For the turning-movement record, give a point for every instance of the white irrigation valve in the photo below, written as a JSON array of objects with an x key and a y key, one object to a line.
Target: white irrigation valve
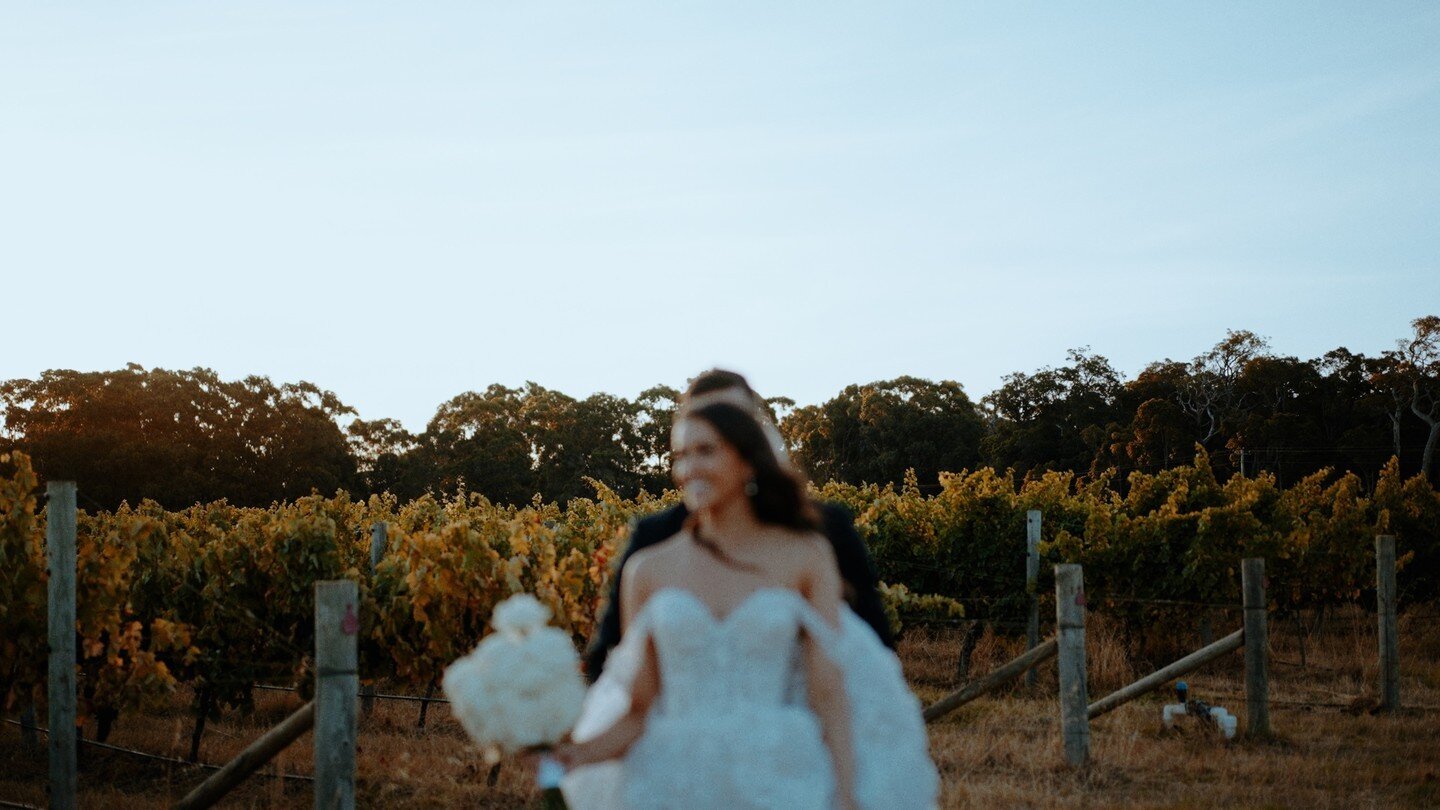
[
  {"x": 1170, "y": 712},
  {"x": 1218, "y": 716},
  {"x": 1225, "y": 721}
]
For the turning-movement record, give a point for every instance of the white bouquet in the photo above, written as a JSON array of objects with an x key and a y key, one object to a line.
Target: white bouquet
[{"x": 521, "y": 688}]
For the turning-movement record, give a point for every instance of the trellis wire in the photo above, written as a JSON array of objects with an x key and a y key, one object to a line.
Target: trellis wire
[
  {"x": 172, "y": 760},
  {"x": 1323, "y": 705},
  {"x": 379, "y": 695}
]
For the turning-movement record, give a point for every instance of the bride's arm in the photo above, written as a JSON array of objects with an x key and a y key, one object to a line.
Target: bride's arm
[
  {"x": 825, "y": 683},
  {"x": 614, "y": 741}
]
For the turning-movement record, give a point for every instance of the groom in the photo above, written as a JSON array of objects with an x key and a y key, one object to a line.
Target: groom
[{"x": 856, "y": 569}]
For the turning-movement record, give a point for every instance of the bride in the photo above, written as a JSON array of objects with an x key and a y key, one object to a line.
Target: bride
[{"x": 726, "y": 690}]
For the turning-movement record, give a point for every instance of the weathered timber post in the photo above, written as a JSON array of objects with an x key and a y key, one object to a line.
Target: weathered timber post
[
  {"x": 1389, "y": 631},
  {"x": 1032, "y": 576},
  {"x": 1257, "y": 648},
  {"x": 272, "y": 742},
  {"x": 1070, "y": 632},
  {"x": 1025, "y": 662},
  {"x": 379, "y": 534},
  {"x": 60, "y": 559},
  {"x": 337, "y": 624},
  {"x": 1168, "y": 673}
]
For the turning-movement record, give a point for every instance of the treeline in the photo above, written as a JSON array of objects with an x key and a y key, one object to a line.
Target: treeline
[{"x": 185, "y": 437}]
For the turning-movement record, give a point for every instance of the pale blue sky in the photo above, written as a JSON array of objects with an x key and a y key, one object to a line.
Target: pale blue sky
[{"x": 400, "y": 202}]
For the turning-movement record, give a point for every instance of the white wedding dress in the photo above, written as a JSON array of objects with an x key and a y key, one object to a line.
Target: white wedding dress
[{"x": 731, "y": 728}]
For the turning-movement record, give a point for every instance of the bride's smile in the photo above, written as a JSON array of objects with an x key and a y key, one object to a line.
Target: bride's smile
[{"x": 708, "y": 470}]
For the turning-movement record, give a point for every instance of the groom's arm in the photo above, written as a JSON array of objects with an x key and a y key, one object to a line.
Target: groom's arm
[
  {"x": 857, "y": 569},
  {"x": 644, "y": 532}
]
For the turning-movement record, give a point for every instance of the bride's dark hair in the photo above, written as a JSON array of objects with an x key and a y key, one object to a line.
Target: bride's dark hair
[{"x": 780, "y": 492}]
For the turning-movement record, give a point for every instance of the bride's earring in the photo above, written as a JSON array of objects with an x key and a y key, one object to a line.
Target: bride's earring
[{"x": 751, "y": 488}]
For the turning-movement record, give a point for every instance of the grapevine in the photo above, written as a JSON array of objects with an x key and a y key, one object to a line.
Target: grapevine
[{"x": 218, "y": 598}]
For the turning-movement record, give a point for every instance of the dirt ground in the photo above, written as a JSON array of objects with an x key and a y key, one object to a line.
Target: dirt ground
[{"x": 1329, "y": 748}]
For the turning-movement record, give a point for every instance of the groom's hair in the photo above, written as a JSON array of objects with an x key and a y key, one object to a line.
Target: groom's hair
[{"x": 718, "y": 379}]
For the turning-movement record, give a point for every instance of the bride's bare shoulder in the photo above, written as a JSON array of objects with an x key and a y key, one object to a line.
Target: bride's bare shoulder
[
  {"x": 800, "y": 555},
  {"x": 646, "y": 572},
  {"x": 650, "y": 564},
  {"x": 805, "y": 545},
  {"x": 655, "y": 556}
]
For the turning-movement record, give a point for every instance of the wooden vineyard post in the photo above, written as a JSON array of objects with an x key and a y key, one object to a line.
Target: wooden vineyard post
[
  {"x": 1164, "y": 675},
  {"x": 337, "y": 625},
  {"x": 1257, "y": 648},
  {"x": 60, "y": 559},
  {"x": 1389, "y": 633},
  {"x": 379, "y": 534},
  {"x": 1070, "y": 632},
  {"x": 1024, "y": 663},
  {"x": 272, "y": 742},
  {"x": 1032, "y": 577}
]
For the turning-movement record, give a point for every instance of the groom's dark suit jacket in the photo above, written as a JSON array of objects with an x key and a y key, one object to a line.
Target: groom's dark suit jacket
[{"x": 838, "y": 526}]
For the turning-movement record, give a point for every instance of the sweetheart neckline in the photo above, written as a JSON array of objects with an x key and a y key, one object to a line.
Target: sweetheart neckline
[{"x": 721, "y": 621}]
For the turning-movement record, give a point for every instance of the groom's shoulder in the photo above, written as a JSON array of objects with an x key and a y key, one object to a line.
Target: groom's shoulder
[
  {"x": 836, "y": 520},
  {"x": 651, "y": 529},
  {"x": 833, "y": 512}
]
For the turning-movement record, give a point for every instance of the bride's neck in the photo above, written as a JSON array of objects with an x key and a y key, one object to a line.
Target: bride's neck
[{"x": 728, "y": 520}]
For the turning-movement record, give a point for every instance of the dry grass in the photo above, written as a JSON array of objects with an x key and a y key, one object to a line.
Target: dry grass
[{"x": 1001, "y": 751}]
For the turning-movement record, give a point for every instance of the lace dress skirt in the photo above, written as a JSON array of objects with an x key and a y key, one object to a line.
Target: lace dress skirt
[{"x": 748, "y": 756}]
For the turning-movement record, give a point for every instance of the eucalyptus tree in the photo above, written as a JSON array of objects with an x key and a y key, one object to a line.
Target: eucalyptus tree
[
  {"x": 1054, "y": 418},
  {"x": 179, "y": 437},
  {"x": 874, "y": 433},
  {"x": 1417, "y": 361},
  {"x": 476, "y": 441},
  {"x": 1212, "y": 395}
]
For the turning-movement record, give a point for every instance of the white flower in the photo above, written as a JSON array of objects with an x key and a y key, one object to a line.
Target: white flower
[
  {"x": 520, "y": 614},
  {"x": 521, "y": 687}
]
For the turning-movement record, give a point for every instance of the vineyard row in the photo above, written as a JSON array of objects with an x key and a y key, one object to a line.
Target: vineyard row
[{"x": 220, "y": 597}]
